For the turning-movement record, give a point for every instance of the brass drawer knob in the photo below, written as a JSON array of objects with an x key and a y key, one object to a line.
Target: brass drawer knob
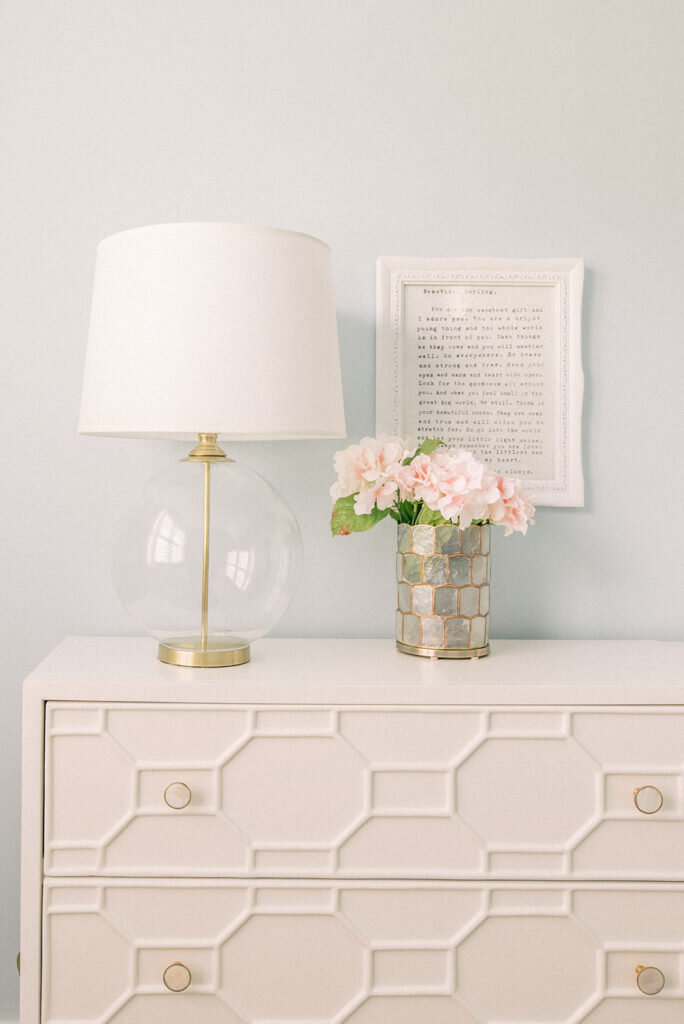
[
  {"x": 650, "y": 980},
  {"x": 177, "y": 977},
  {"x": 648, "y": 799},
  {"x": 177, "y": 795}
]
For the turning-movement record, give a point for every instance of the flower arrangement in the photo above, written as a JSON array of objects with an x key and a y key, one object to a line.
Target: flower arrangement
[{"x": 431, "y": 485}]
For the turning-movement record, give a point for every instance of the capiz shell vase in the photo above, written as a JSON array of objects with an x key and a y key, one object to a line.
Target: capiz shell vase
[{"x": 443, "y": 590}]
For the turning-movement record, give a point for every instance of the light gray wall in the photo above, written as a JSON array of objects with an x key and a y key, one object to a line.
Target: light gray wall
[{"x": 435, "y": 128}]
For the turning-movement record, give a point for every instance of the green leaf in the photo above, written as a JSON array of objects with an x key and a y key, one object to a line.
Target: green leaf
[
  {"x": 406, "y": 511},
  {"x": 426, "y": 448},
  {"x": 428, "y": 517},
  {"x": 345, "y": 520}
]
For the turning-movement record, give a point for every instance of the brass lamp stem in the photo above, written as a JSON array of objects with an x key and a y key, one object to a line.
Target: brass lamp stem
[
  {"x": 207, "y": 451},
  {"x": 205, "y": 556},
  {"x": 204, "y": 651}
]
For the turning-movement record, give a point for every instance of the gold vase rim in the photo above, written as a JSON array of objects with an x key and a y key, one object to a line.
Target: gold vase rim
[{"x": 440, "y": 526}]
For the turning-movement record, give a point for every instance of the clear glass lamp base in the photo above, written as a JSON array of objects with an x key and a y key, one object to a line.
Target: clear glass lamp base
[
  {"x": 209, "y": 559},
  {"x": 215, "y": 652}
]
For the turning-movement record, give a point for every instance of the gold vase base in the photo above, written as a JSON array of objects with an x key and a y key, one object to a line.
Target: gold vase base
[
  {"x": 216, "y": 652},
  {"x": 444, "y": 652}
]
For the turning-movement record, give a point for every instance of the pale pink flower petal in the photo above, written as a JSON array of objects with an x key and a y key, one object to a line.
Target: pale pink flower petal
[
  {"x": 450, "y": 481},
  {"x": 420, "y": 481},
  {"x": 382, "y": 495}
]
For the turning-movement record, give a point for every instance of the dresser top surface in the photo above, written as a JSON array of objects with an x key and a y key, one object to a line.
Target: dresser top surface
[{"x": 370, "y": 672}]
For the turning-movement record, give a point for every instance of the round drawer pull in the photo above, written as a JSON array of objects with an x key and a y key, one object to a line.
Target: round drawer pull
[
  {"x": 177, "y": 977},
  {"x": 648, "y": 799},
  {"x": 650, "y": 980},
  {"x": 177, "y": 795}
]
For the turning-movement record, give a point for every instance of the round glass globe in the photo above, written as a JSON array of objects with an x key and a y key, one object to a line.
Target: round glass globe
[{"x": 254, "y": 559}]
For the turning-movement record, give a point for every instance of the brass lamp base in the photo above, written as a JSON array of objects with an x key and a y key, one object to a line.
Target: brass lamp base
[{"x": 214, "y": 652}]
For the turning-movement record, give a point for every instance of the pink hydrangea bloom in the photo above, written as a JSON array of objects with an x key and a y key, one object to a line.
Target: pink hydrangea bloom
[
  {"x": 365, "y": 463},
  {"x": 419, "y": 481},
  {"x": 512, "y": 510},
  {"x": 382, "y": 494},
  {"x": 452, "y": 482},
  {"x": 370, "y": 470},
  {"x": 458, "y": 475}
]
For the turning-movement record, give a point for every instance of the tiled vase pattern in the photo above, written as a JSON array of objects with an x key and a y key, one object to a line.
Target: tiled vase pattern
[{"x": 443, "y": 589}]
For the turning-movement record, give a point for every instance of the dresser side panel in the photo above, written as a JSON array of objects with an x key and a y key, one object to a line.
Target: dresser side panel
[{"x": 31, "y": 857}]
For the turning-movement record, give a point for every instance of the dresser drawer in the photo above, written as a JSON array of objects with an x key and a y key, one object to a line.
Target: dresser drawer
[
  {"x": 360, "y": 952},
  {"x": 170, "y": 790}
]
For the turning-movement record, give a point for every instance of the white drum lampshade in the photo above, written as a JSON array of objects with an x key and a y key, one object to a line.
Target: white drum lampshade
[
  {"x": 223, "y": 325},
  {"x": 211, "y": 329}
]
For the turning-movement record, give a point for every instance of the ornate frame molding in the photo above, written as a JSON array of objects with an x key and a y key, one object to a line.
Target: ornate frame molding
[{"x": 566, "y": 488}]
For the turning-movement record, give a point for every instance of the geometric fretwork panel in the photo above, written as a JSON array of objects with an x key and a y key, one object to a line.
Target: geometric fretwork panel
[
  {"x": 548, "y": 807},
  {"x": 555, "y": 955},
  {"x": 362, "y": 792},
  {"x": 259, "y": 783},
  {"x": 351, "y": 952}
]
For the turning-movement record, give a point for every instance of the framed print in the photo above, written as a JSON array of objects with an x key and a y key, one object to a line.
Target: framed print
[{"x": 485, "y": 354}]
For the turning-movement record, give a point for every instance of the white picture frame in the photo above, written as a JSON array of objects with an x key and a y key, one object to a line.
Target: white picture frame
[{"x": 500, "y": 369}]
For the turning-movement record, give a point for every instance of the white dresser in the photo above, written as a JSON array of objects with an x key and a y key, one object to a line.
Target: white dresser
[{"x": 338, "y": 833}]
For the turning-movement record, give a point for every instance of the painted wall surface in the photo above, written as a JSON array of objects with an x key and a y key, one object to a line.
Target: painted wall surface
[{"x": 516, "y": 128}]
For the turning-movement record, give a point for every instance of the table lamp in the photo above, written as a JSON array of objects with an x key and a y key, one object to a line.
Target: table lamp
[{"x": 205, "y": 332}]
